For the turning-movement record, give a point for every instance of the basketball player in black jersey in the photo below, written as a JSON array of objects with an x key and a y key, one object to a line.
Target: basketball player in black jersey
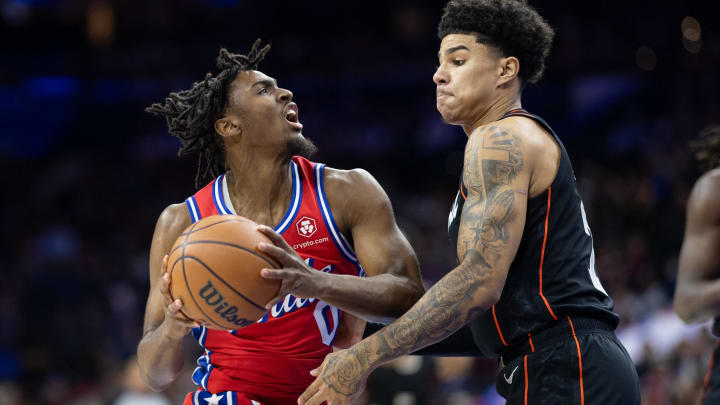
[
  {"x": 697, "y": 295},
  {"x": 526, "y": 278}
]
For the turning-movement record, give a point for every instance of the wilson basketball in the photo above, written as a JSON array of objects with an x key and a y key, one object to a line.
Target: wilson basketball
[{"x": 215, "y": 268}]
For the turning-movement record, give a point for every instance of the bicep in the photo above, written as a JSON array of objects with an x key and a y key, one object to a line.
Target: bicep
[
  {"x": 380, "y": 246},
  {"x": 700, "y": 256},
  {"x": 493, "y": 216},
  {"x": 700, "y": 252},
  {"x": 169, "y": 226}
]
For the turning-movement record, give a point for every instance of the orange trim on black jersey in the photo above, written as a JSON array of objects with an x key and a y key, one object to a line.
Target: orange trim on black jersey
[
  {"x": 462, "y": 192},
  {"x": 542, "y": 256},
  {"x": 582, "y": 388},
  {"x": 532, "y": 346},
  {"x": 526, "y": 377},
  {"x": 514, "y": 112},
  {"x": 497, "y": 325},
  {"x": 706, "y": 380}
]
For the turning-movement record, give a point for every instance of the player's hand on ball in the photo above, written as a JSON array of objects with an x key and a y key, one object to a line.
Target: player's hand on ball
[
  {"x": 297, "y": 277},
  {"x": 340, "y": 381},
  {"x": 177, "y": 324}
]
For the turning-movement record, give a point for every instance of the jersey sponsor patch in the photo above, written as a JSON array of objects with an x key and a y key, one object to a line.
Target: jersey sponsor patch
[{"x": 306, "y": 226}]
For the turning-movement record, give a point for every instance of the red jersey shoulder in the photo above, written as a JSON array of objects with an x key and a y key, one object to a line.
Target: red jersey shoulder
[
  {"x": 308, "y": 225},
  {"x": 201, "y": 204}
]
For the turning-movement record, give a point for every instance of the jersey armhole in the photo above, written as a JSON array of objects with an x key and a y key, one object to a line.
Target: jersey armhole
[
  {"x": 193, "y": 209},
  {"x": 337, "y": 237}
]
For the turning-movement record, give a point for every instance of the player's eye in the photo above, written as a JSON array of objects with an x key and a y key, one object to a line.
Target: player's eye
[
  {"x": 263, "y": 90},
  {"x": 458, "y": 62}
]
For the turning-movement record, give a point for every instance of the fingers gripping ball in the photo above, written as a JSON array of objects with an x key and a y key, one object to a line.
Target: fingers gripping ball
[{"x": 215, "y": 268}]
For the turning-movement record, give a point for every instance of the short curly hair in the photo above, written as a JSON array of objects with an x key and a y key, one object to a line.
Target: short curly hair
[{"x": 511, "y": 26}]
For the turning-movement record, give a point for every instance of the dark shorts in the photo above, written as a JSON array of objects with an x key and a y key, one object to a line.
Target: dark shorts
[
  {"x": 584, "y": 364},
  {"x": 712, "y": 379}
]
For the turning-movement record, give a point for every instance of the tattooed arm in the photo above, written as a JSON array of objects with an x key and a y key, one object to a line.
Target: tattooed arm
[{"x": 491, "y": 225}]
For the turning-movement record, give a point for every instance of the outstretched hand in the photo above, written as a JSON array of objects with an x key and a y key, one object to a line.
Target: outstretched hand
[
  {"x": 340, "y": 380},
  {"x": 297, "y": 277}
]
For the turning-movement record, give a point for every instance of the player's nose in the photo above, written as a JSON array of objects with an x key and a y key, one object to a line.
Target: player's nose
[
  {"x": 285, "y": 96},
  {"x": 440, "y": 76}
]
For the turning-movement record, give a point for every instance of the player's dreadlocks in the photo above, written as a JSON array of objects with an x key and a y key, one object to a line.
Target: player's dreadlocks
[
  {"x": 191, "y": 114},
  {"x": 707, "y": 148}
]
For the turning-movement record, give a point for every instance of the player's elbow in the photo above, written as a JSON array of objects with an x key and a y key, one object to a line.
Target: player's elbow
[
  {"x": 155, "y": 373},
  {"x": 417, "y": 290},
  {"x": 683, "y": 306},
  {"x": 402, "y": 302},
  {"x": 155, "y": 387},
  {"x": 157, "y": 382},
  {"x": 679, "y": 309},
  {"x": 489, "y": 297},
  {"x": 682, "y": 313}
]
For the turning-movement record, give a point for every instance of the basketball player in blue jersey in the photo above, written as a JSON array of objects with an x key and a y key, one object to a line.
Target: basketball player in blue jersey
[
  {"x": 246, "y": 131},
  {"x": 697, "y": 295},
  {"x": 526, "y": 280}
]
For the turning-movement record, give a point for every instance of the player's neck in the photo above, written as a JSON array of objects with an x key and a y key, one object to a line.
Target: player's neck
[
  {"x": 497, "y": 109},
  {"x": 259, "y": 186}
]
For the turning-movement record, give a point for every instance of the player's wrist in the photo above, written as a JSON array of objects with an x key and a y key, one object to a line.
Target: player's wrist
[
  {"x": 323, "y": 285},
  {"x": 368, "y": 358},
  {"x": 173, "y": 331}
]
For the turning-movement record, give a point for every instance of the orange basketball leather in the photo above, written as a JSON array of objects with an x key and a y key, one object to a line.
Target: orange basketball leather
[{"x": 215, "y": 270}]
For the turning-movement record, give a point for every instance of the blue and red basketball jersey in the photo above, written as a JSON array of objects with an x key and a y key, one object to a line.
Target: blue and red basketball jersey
[{"x": 269, "y": 362}]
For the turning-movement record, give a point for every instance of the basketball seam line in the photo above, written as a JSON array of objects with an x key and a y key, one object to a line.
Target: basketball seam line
[
  {"x": 183, "y": 265},
  {"x": 222, "y": 280},
  {"x": 192, "y": 296},
  {"x": 218, "y": 242},
  {"x": 172, "y": 299}
]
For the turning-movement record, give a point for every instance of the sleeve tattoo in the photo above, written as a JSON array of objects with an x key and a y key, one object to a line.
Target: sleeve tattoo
[{"x": 492, "y": 162}]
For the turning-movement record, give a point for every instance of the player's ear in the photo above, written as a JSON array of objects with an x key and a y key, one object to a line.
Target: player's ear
[
  {"x": 508, "y": 69},
  {"x": 228, "y": 126}
]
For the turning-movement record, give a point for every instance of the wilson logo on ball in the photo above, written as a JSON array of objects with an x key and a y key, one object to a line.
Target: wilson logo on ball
[
  {"x": 213, "y": 298},
  {"x": 306, "y": 227}
]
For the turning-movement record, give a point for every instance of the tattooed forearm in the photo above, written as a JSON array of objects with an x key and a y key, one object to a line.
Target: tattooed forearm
[
  {"x": 493, "y": 161},
  {"x": 447, "y": 306}
]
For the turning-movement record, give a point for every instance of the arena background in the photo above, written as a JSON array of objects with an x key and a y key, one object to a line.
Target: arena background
[{"x": 84, "y": 172}]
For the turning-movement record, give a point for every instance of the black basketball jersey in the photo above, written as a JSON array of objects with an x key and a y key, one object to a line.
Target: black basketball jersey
[{"x": 553, "y": 273}]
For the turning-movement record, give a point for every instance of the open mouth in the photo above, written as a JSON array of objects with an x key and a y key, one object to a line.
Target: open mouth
[{"x": 291, "y": 115}]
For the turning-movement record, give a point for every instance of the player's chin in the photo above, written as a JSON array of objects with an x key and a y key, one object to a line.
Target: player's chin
[
  {"x": 301, "y": 146},
  {"x": 447, "y": 116}
]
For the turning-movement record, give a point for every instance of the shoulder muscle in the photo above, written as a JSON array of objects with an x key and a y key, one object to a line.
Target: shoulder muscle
[
  {"x": 353, "y": 194},
  {"x": 495, "y": 155},
  {"x": 703, "y": 209},
  {"x": 172, "y": 221}
]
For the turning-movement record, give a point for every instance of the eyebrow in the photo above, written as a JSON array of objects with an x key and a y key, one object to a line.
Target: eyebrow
[
  {"x": 453, "y": 49},
  {"x": 266, "y": 83}
]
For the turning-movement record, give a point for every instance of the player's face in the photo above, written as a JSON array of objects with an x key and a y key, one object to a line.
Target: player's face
[
  {"x": 465, "y": 78},
  {"x": 266, "y": 112}
]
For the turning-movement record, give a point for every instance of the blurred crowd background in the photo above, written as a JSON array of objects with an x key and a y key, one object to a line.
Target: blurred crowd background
[{"x": 84, "y": 172}]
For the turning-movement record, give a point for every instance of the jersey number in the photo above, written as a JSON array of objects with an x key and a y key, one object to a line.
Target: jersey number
[
  {"x": 327, "y": 317},
  {"x": 591, "y": 265}
]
